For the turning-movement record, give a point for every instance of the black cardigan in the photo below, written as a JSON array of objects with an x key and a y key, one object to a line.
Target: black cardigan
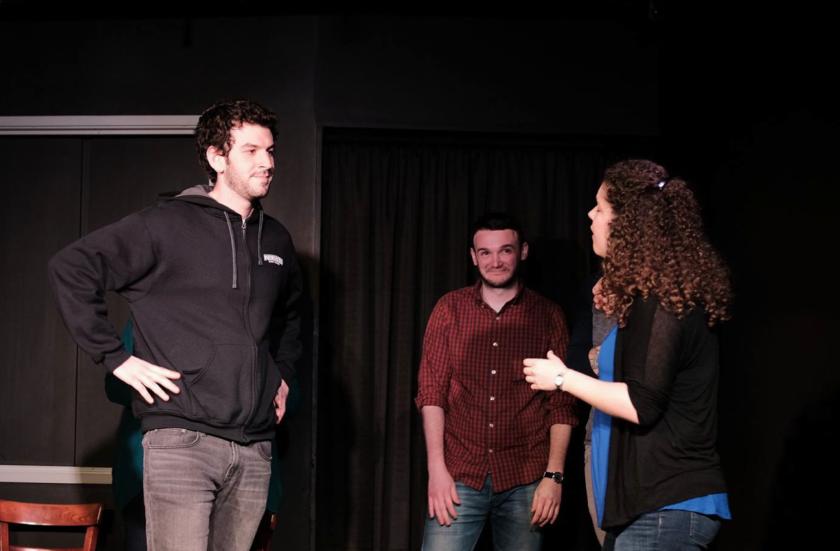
[{"x": 670, "y": 366}]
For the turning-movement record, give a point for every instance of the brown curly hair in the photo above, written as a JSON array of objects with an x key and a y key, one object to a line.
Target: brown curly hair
[
  {"x": 215, "y": 124},
  {"x": 657, "y": 246}
]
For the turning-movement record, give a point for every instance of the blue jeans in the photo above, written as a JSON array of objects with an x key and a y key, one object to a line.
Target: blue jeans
[
  {"x": 203, "y": 492},
  {"x": 665, "y": 531},
  {"x": 510, "y": 520}
]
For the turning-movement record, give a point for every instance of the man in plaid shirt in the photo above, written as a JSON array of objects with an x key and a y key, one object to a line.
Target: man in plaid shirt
[{"x": 495, "y": 448}]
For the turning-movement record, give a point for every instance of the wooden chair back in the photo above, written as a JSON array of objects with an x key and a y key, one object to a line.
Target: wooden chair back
[{"x": 87, "y": 515}]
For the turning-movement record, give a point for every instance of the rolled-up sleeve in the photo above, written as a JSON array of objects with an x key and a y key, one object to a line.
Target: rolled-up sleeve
[
  {"x": 435, "y": 365},
  {"x": 562, "y": 406}
]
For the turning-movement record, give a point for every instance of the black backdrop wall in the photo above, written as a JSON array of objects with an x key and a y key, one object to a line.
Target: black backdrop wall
[{"x": 742, "y": 104}]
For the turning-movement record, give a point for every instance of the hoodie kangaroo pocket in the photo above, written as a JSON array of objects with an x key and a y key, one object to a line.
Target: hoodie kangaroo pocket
[{"x": 222, "y": 392}]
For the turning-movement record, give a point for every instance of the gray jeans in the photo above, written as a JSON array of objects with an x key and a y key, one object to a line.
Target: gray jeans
[{"x": 203, "y": 492}]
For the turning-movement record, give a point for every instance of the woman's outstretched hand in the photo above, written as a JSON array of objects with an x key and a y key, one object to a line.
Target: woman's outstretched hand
[{"x": 541, "y": 372}]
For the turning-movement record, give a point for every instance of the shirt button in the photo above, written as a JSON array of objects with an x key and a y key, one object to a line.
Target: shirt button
[
  {"x": 491, "y": 425},
  {"x": 492, "y": 398},
  {"x": 492, "y": 372},
  {"x": 498, "y": 318},
  {"x": 495, "y": 345},
  {"x": 490, "y": 450}
]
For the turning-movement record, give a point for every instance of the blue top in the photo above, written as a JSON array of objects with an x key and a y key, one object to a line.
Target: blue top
[
  {"x": 601, "y": 424},
  {"x": 713, "y": 504}
]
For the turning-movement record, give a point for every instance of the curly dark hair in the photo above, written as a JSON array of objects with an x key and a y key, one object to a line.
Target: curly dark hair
[
  {"x": 657, "y": 246},
  {"x": 215, "y": 124}
]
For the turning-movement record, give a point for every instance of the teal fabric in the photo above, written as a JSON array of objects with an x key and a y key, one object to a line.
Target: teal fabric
[
  {"x": 127, "y": 471},
  {"x": 275, "y": 485}
]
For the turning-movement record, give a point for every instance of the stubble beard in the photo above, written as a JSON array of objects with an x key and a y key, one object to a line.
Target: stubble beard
[
  {"x": 511, "y": 282},
  {"x": 245, "y": 189}
]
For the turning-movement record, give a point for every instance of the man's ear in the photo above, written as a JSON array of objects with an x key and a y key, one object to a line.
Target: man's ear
[
  {"x": 474, "y": 258},
  {"x": 523, "y": 254},
  {"x": 217, "y": 159}
]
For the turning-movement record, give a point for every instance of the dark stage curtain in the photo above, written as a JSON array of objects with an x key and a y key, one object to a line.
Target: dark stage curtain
[{"x": 396, "y": 214}]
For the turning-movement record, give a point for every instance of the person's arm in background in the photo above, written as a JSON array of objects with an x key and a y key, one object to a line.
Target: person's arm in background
[
  {"x": 561, "y": 416},
  {"x": 285, "y": 331},
  {"x": 433, "y": 386}
]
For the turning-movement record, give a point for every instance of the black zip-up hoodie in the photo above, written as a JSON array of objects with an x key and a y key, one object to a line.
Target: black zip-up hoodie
[{"x": 211, "y": 296}]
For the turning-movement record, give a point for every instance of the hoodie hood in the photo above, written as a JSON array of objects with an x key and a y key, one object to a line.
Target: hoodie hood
[
  {"x": 201, "y": 190},
  {"x": 200, "y": 195}
]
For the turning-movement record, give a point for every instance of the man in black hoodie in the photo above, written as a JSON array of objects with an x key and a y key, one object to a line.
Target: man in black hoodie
[{"x": 213, "y": 284}]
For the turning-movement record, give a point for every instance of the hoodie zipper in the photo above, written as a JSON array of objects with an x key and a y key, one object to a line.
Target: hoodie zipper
[{"x": 247, "y": 321}]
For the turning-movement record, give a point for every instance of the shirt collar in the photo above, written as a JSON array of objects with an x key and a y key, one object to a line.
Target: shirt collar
[{"x": 476, "y": 292}]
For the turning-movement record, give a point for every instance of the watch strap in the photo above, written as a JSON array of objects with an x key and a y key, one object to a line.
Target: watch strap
[{"x": 556, "y": 476}]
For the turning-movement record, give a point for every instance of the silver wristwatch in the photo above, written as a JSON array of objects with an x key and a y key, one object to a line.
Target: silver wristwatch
[{"x": 558, "y": 381}]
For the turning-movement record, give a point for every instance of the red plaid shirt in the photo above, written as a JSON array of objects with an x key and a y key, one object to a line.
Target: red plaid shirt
[{"x": 472, "y": 368}]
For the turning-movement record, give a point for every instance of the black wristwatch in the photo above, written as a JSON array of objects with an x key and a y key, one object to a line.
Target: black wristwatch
[{"x": 555, "y": 476}]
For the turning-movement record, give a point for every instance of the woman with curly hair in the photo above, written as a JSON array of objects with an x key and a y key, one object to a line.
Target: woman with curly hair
[{"x": 656, "y": 472}]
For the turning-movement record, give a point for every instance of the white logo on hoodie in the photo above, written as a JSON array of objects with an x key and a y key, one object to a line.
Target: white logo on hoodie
[{"x": 273, "y": 259}]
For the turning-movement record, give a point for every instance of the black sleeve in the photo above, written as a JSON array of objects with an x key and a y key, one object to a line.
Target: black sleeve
[
  {"x": 109, "y": 259},
  {"x": 650, "y": 349},
  {"x": 285, "y": 323}
]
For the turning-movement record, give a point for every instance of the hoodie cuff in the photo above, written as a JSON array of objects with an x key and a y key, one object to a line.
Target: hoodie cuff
[
  {"x": 115, "y": 359},
  {"x": 287, "y": 372}
]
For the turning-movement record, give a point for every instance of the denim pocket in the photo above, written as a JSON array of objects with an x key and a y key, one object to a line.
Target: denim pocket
[
  {"x": 171, "y": 438},
  {"x": 264, "y": 449},
  {"x": 703, "y": 529}
]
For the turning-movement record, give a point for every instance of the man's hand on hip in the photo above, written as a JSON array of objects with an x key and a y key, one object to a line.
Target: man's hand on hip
[
  {"x": 546, "y": 504},
  {"x": 144, "y": 376},
  {"x": 280, "y": 400},
  {"x": 442, "y": 496}
]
